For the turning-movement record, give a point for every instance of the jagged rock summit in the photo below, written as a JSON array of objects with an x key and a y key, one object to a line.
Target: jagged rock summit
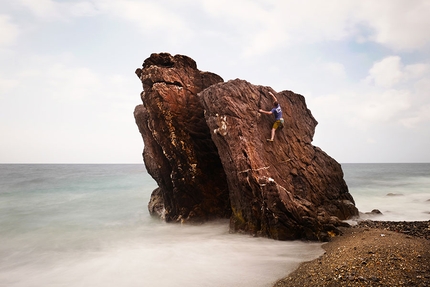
[{"x": 205, "y": 145}]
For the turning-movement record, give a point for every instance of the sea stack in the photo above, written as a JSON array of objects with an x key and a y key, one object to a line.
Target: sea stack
[{"x": 205, "y": 146}]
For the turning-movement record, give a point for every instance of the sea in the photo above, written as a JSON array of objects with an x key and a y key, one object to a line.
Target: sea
[{"x": 88, "y": 225}]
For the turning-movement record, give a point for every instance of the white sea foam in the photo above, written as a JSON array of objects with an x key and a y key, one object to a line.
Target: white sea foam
[
  {"x": 94, "y": 230},
  {"x": 170, "y": 255}
]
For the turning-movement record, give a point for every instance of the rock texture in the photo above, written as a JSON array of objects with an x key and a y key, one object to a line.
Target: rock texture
[
  {"x": 205, "y": 145},
  {"x": 179, "y": 153},
  {"x": 286, "y": 189}
]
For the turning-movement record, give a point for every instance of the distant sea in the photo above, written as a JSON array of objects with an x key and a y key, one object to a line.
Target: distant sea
[{"x": 88, "y": 225}]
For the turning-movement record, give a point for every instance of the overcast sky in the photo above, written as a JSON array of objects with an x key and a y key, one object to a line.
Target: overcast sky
[{"x": 68, "y": 88}]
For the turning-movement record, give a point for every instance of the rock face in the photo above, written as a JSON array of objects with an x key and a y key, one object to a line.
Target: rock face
[
  {"x": 286, "y": 189},
  {"x": 179, "y": 153},
  {"x": 205, "y": 145}
]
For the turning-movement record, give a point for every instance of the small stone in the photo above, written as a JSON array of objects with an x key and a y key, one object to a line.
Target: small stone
[{"x": 374, "y": 279}]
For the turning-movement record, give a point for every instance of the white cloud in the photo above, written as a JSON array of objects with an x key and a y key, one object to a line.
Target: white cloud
[
  {"x": 335, "y": 69},
  {"x": 386, "y": 73},
  {"x": 421, "y": 116},
  {"x": 397, "y": 24},
  {"x": 306, "y": 46},
  {"x": 150, "y": 17},
  {"x": 83, "y": 9},
  {"x": 58, "y": 80},
  {"x": 9, "y": 31},
  {"x": 263, "y": 26},
  {"x": 72, "y": 113},
  {"x": 362, "y": 109},
  {"x": 6, "y": 85},
  {"x": 269, "y": 25},
  {"x": 380, "y": 107},
  {"x": 391, "y": 93},
  {"x": 416, "y": 70},
  {"x": 50, "y": 10},
  {"x": 42, "y": 8},
  {"x": 236, "y": 9},
  {"x": 390, "y": 71},
  {"x": 314, "y": 21}
]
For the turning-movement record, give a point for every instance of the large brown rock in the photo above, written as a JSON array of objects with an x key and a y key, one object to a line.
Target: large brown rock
[
  {"x": 286, "y": 189},
  {"x": 179, "y": 153},
  {"x": 205, "y": 145}
]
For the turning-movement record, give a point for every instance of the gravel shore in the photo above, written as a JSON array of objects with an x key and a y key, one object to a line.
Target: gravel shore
[{"x": 372, "y": 253}]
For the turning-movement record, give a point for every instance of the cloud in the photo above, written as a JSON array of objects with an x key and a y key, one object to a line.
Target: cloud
[
  {"x": 9, "y": 31},
  {"x": 421, "y": 116},
  {"x": 57, "y": 78},
  {"x": 335, "y": 69},
  {"x": 151, "y": 17},
  {"x": 397, "y": 24},
  {"x": 71, "y": 112},
  {"x": 323, "y": 50},
  {"x": 386, "y": 73},
  {"x": 53, "y": 84},
  {"x": 262, "y": 26},
  {"x": 57, "y": 84},
  {"x": 269, "y": 25},
  {"x": 42, "y": 8},
  {"x": 390, "y": 71},
  {"x": 380, "y": 107},
  {"x": 315, "y": 21},
  {"x": 6, "y": 85},
  {"x": 391, "y": 93},
  {"x": 50, "y": 10},
  {"x": 416, "y": 70}
]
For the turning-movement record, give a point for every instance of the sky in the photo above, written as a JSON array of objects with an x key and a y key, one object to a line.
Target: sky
[{"x": 68, "y": 87}]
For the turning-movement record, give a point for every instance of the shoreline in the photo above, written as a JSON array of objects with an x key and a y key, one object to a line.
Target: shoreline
[{"x": 371, "y": 253}]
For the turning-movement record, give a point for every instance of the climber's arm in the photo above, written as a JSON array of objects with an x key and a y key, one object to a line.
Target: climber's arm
[{"x": 273, "y": 96}]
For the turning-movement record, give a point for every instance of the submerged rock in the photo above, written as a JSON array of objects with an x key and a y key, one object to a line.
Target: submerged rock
[{"x": 205, "y": 145}]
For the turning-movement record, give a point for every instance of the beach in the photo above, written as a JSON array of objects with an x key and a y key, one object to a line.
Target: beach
[{"x": 372, "y": 253}]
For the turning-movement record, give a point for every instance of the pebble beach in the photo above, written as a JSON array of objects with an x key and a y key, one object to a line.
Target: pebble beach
[{"x": 371, "y": 253}]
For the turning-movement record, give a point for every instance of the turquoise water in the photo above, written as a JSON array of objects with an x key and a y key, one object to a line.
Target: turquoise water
[{"x": 88, "y": 225}]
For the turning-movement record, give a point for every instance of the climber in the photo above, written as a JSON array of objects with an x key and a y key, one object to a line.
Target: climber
[{"x": 277, "y": 112}]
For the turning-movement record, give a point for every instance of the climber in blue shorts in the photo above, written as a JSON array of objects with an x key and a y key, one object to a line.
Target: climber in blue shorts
[{"x": 277, "y": 112}]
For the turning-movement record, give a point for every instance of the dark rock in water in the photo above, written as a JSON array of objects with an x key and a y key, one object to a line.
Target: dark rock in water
[
  {"x": 179, "y": 153},
  {"x": 205, "y": 145},
  {"x": 394, "y": 194},
  {"x": 374, "y": 212},
  {"x": 156, "y": 203}
]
